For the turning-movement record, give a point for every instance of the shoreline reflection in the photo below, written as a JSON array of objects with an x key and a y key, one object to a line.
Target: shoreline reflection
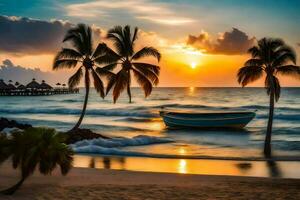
[{"x": 282, "y": 169}]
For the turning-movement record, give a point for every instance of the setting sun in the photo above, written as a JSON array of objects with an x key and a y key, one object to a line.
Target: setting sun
[{"x": 193, "y": 65}]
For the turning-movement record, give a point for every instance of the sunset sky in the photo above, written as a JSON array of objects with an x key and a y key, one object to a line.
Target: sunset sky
[{"x": 203, "y": 43}]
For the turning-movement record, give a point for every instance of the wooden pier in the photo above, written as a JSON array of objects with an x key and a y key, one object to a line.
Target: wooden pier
[
  {"x": 37, "y": 92},
  {"x": 33, "y": 89}
]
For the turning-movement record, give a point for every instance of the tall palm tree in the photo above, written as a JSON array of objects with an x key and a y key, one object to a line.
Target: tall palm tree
[
  {"x": 125, "y": 56},
  {"x": 36, "y": 147},
  {"x": 83, "y": 56},
  {"x": 270, "y": 57}
]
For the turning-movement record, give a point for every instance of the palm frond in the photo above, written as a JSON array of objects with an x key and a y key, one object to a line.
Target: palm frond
[
  {"x": 116, "y": 35},
  {"x": 64, "y": 63},
  {"x": 154, "y": 68},
  {"x": 67, "y": 53},
  {"x": 75, "y": 79},
  {"x": 147, "y": 51},
  {"x": 284, "y": 59},
  {"x": 65, "y": 159},
  {"x": 38, "y": 147},
  {"x": 289, "y": 70},
  {"x": 110, "y": 67},
  {"x": 148, "y": 72},
  {"x": 143, "y": 81},
  {"x": 254, "y": 51},
  {"x": 284, "y": 55},
  {"x": 127, "y": 40},
  {"x": 268, "y": 83},
  {"x": 111, "y": 80},
  {"x": 100, "y": 50},
  {"x": 248, "y": 74},
  {"x": 89, "y": 38},
  {"x": 117, "y": 30},
  {"x": 104, "y": 71},
  {"x": 98, "y": 84},
  {"x": 76, "y": 40},
  {"x": 254, "y": 62},
  {"x": 275, "y": 43},
  {"x": 108, "y": 57},
  {"x": 272, "y": 83},
  {"x": 121, "y": 81},
  {"x": 135, "y": 36},
  {"x": 81, "y": 38},
  {"x": 86, "y": 35}
]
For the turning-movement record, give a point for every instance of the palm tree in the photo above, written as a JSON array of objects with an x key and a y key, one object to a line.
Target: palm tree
[
  {"x": 36, "y": 147},
  {"x": 83, "y": 55},
  {"x": 270, "y": 57},
  {"x": 146, "y": 74}
]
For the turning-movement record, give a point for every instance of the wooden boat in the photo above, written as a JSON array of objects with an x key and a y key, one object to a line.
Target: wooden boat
[{"x": 175, "y": 119}]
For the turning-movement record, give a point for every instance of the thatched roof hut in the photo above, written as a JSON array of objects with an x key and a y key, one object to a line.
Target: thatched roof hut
[
  {"x": 45, "y": 86},
  {"x": 10, "y": 86},
  {"x": 33, "y": 85},
  {"x": 21, "y": 87},
  {"x": 3, "y": 85}
]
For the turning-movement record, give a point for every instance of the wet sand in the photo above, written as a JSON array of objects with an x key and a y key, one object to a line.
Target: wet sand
[
  {"x": 88, "y": 184},
  {"x": 261, "y": 168}
]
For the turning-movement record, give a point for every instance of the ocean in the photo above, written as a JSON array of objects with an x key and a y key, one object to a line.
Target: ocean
[{"x": 141, "y": 132}]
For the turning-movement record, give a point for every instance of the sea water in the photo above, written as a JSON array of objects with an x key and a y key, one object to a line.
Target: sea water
[{"x": 141, "y": 132}]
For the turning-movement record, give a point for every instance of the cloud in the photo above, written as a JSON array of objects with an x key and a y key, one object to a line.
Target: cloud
[
  {"x": 229, "y": 43},
  {"x": 144, "y": 9},
  {"x": 9, "y": 71},
  {"x": 201, "y": 42},
  {"x": 22, "y": 35}
]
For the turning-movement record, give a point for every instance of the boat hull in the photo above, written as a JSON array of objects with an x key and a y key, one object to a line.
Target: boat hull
[{"x": 207, "y": 120}]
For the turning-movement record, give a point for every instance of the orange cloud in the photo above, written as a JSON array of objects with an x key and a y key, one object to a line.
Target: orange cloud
[{"x": 232, "y": 42}]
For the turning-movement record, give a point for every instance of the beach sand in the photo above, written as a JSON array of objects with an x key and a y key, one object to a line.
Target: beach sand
[{"x": 88, "y": 184}]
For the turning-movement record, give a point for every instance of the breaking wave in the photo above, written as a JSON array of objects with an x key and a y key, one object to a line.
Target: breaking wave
[{"x": 110, "y": 146}]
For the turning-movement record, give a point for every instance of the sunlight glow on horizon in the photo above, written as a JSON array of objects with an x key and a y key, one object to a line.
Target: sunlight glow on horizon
[{"x": 193, "y": 65}]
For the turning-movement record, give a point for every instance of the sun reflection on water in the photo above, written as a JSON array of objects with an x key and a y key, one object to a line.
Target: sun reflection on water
[
  {"x": 191, "y": 166},
  {"x": 157, "y": 126},
  {"x": 192, "y": 89},
  {"x": 182, "y": 169}
]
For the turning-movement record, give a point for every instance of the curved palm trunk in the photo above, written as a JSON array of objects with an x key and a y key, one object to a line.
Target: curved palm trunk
[
  {"x": 87, "y": 91},
  {"x": 14, "y": 188},
  {"x": 267, "y": 148},
  {"x": 129, "y": 93},
  {"x": 128, "y": 87}
]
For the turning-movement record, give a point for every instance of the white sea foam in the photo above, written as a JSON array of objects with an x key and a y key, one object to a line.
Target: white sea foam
[{"x": 111, "y": 146}]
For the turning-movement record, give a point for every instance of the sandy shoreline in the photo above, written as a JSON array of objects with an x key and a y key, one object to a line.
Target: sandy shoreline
[{"x": 82, "y": 183}]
